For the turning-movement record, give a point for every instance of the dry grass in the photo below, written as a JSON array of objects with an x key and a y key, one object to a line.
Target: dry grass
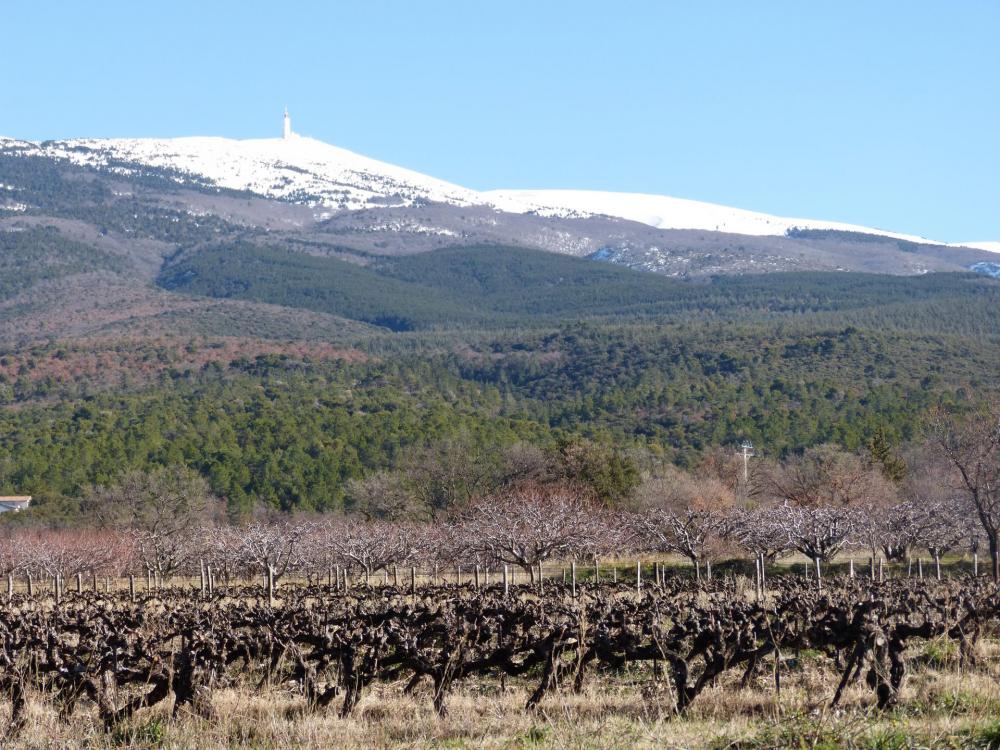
[{"x": 942, "y": 708}]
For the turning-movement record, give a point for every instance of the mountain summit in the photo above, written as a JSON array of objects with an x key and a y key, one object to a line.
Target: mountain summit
[
  {"x": 216, "y": 234},
  {"x": 293, "y": 168},
  {"x": 300, "y": 169},
  {"x": 318, "y": 198}
]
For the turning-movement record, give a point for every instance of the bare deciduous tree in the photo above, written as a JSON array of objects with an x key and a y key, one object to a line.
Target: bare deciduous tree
[
  {"x": 161, "y": 511},
  {"x": 972, "y": 446},
  {"x": 819, "y": 532},
  {"x": 530, "y": 524},
  {"x": 683, "y": 514},
  {"x": 371, "y": 545},
  {"x": 829, "y": 495},
  {"x": 828, "y": 476},
  {"x": 382, "y": 495},
  {"x": 273, "y": 547},
  {"x": 763, "y": 530},
  {"x": 448, "y": 475}
]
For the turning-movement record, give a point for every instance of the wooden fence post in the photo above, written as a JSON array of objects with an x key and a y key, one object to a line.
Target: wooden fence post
[
  {"x": 881, "y": 570},
  {"x": 937, "y": 565},
  {"x": 270, "y": 585},
  {"x": 506, "y": 590},
  {"x": 10, "y": 587},
  {"x": 975, "y": 564},
  {"x": 201, "y": 572},
  {"x": 413, "y": 580},
  {"x": 31, "y": 585},
  {"x": 756, "y": 576},
  {"x": 395, "y": 576},
  {"x": 819, "y": 576},
  {"x": 638, "y": 576},
  {"x": 597, "y": 570},
  {"x": 475, "y": 578},
  {"x": 920, "y": 568},
  {"x": 79, "y": 583},
  {"x": 131, "y": 586}
]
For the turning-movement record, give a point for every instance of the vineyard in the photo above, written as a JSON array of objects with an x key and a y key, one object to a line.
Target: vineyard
[
  {"x": 831, "y": 586},
  {"x": 120, "y": 652}
]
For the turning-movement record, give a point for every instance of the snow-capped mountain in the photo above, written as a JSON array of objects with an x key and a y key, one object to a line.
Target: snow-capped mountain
[
  {"x": 304, "y": 170},
  {"x": 664, "y": 212},
  {"x": 295, "y": 169}
]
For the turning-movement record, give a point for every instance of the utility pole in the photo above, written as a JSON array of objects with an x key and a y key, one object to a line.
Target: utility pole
[{"x": 747, "y": 450}]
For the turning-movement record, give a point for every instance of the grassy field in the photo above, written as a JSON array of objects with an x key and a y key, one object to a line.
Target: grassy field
[{"x": 942, "y": 707}]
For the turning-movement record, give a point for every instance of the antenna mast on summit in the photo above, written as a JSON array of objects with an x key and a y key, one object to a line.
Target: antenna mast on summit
[{"x": 287, "y": 133}]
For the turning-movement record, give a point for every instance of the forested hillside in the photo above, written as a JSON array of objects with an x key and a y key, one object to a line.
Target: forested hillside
[
  {"x": 146, "y": 323},
  {"x": 29, "y": 256},
  {"x": 288, "y": 426},
  {"x": 498, "y": 287}
]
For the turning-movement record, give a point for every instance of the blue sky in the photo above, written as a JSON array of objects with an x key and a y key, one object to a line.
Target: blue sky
[{"x": 879, "y": 113}]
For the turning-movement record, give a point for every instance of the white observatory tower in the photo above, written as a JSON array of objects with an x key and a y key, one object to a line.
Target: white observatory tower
[{"x": 287, "y": 132}]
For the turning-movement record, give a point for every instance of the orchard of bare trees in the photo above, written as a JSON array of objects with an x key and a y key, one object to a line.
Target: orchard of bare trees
[{"x": 941, "y": 498}]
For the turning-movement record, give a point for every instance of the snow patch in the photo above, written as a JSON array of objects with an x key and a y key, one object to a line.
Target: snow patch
[
  {"x": 986, "y": 269},
  {"x": 664, "y": 212},
  {"x": 992, "y": 247},
  {"x": 411, "y": 227}
]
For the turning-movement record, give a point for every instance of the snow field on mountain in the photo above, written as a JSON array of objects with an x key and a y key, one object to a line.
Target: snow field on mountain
[{"x": 305, "y": 170}]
